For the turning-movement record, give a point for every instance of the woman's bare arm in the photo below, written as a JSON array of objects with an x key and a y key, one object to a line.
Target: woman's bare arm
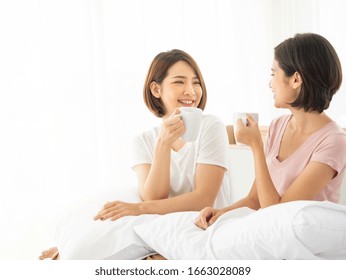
[
  {"x": 154, "y": 179},
  {"x": 208, "y": 180},
  {"x": 306, "y": 187}
]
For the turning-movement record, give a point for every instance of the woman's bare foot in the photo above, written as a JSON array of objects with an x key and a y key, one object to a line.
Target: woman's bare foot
[
  {"x": 155, "y": 257},
  {"x": 51, "y": 253}
]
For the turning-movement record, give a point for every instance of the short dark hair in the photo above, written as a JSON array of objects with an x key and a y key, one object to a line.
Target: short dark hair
[
  {"x": 158, "y": 70},
  {"x": 317, "y": 62}
]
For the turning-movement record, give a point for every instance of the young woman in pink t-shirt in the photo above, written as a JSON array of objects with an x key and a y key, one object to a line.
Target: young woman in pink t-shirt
[{"x": 305, "y": 153}]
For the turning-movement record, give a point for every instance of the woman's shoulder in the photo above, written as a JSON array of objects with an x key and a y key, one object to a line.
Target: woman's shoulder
[
  {"x": 212, "y": 124},
  {"x": 212, "y": 120},
  {"x": 277, "y": 125},
  {"x": 212, "y": 127},
  {"x": 147, "y": 135},
  {"x": 337, "y": 129},
  {"x": 332, "y": 132},
  {"x": 280, "y": 121},
  {"x": 329, "y": 145}
]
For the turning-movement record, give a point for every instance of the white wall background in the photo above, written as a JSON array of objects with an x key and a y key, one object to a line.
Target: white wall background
[{"x": 71, "y": 76}]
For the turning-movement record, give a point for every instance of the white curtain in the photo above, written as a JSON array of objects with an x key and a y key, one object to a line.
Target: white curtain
[{"x": 71, "y": 76}]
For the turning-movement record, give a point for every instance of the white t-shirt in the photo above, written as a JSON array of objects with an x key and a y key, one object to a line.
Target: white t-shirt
[{"x": 211, "y": 147}]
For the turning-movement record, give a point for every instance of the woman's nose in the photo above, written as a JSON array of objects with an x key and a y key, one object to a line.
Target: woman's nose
[{"x": 189, "y": 90}]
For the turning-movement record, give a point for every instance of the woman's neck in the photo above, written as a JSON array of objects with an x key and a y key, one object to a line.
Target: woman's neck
[{"x": 307, "y": 123}]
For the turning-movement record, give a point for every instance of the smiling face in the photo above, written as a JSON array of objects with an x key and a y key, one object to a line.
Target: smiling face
[
  {"x": 285, "y": 89},
  {"x": 180, "y": 88}
]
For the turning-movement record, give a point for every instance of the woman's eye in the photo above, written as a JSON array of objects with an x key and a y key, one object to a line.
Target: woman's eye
[{"x": 178, "y": 82}]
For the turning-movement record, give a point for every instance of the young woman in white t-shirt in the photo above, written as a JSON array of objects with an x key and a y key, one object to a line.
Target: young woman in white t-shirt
[{"x": 174, "y": 175}]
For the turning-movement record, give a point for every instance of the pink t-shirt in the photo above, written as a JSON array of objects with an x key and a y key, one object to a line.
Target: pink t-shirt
[{"x": 327, "y": 145}]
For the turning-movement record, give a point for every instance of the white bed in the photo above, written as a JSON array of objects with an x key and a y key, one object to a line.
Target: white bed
[{"x": 295, "y": 230}]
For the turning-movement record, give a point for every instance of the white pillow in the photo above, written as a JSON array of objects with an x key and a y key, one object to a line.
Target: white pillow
[
  {"x": 79, "y": 237},
  {"x": 321, "y": 228},
  {"x": 294, "y": 230}
]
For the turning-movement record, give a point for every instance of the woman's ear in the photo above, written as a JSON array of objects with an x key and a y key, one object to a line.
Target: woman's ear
[
  {"x": 155, "y": 89},
  {"x": 297, "y": 80}
]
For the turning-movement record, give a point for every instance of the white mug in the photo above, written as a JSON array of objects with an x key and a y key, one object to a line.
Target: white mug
[
  {"x": 242, "y": 117},
  {"x": 192, "y": 118}
]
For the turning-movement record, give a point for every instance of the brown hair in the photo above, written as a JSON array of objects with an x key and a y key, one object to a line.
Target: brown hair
[
  {"x": 315, "y": 59},
  {"x": 158, "y": 70}
]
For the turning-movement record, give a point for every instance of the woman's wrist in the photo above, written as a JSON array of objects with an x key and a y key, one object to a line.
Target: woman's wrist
[
  {"x": 145, "y": 207},
  {"x": 257, "y": 145},
  {"x": 163, "y": 145}
]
